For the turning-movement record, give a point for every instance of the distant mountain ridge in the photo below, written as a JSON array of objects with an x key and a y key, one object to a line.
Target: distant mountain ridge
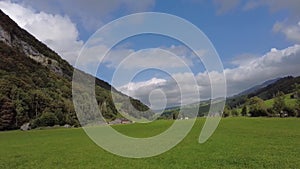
[
  {"x": 36, "y": 83},
  {"x": 285, "y": 85},
  {"x": 257, "y": 87},
  {"x": 265, "y": 91}
]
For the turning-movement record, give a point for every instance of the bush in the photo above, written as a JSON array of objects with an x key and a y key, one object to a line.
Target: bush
[
  {"x": 258, "y": 112},
  {"x": 244, "y": 111},
  {"x": 46, "y": 119},
  {"x": 298, "y": 113},
  {"x": 234, "y": 112},
  {"x": 291, "y": 112},
  {"x": 279, "y": 102},
  {"x": 272, "y": 112},
  {"x": 257, "y": 107},
  {"x": 226, "y": 112}
]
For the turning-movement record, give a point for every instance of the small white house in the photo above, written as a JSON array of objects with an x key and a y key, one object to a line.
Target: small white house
[{"x": 120, "y": 121}]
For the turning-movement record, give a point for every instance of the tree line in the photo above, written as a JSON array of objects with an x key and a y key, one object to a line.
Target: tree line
[{"x": 256, "y": 106}]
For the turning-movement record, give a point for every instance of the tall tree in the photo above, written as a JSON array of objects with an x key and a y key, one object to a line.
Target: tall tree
[
  {"x": 279, "y": 102},
  {"x": 244, "y": 111},
  {"x": 39, "y": 101},
  {"x": 7, "y": 114},
  {"x": 226, "y": 111},
  {"x": 297, "y": 96}
]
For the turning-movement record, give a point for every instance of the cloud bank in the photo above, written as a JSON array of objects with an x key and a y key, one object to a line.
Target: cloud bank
[
  {"x": 276, "y": 63},
  {"x": 89, "y": 14}
]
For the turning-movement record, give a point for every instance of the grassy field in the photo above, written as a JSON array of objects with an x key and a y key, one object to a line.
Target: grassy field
[
  {"x": 288, "y": 101},
  {"x": 237, "y": 143}
]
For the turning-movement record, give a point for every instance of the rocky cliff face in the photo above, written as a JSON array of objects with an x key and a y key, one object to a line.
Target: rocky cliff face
[
  {"x": 14, "y": 42},
  {"x": 5, "y": 36}
]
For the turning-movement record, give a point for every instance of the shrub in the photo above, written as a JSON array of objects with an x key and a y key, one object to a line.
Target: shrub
[
  {"x": 46, "y": 119},
  {"x": 272, "y": 113},
  {"x": 258, "y": 112},
  {"x": 279, "y": 102},
  {"x": 226, "y": 111},
  {"x": 257, "y": 107},
  {"x": 234, "y": 112},
  {"x": 291, "y": 112},
  {"x": 244, "y": 111}
]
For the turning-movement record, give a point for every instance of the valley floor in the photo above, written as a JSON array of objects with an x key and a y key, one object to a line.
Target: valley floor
[{"x": 237, "y": 143}]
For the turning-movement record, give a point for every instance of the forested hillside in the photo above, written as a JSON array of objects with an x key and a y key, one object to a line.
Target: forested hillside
[
  {"x": 285, "y": 85},
  {"x": 36, "y": 84}
]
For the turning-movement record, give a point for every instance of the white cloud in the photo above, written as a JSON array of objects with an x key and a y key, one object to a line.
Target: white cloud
[
  {"x": 290, "y": 27},
  {"x": 133, "y": 87},
  {"x": 173, "y": 58},
  {"x": 274, "y": 64},
  {"x": 243, "y": 59},
  {"x": 292, "y": 6},
  {"x": 177, "y": 90},
  {"x": 153, "y": 57},
  {"x": 224, "y": 6},
  {"x": 52, "y": 21},
  {"x": 56, "y": 31},
  {"x": 250, "y": 5},
  {"x": 275, "y": 5},
  {"x": 89, "y": 14},
  {"x": 291, "y": 31}
]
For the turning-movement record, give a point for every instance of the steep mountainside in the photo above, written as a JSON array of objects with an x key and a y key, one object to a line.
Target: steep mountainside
[{"x": 35, "y": 83}]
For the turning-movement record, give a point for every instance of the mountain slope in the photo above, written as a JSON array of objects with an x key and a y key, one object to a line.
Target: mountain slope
[
  {"x": 35, "y": 83},
  {"x": 285, "y": 85},
  {"x": 257, "y": 87}
]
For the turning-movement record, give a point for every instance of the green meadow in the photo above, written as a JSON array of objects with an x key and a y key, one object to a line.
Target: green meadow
[
  {"x": 288, "y": 101},
  {"x": 237, "y": 143}
]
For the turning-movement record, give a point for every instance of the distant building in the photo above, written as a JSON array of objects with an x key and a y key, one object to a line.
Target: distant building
[
  {"x": 120, "y": 121},
  {"x": 125, "y": 121}
]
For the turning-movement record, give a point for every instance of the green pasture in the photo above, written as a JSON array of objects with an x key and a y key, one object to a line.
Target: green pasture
[{"x": 237, "y": 143}]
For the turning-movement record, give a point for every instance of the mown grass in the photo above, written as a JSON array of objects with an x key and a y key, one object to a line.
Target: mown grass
[{"x": 237, "y": 143}]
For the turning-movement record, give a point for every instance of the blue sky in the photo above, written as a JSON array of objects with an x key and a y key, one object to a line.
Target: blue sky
[
  {"x": 256, "y": 40},
  {"x": 233, "y": 33}
]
